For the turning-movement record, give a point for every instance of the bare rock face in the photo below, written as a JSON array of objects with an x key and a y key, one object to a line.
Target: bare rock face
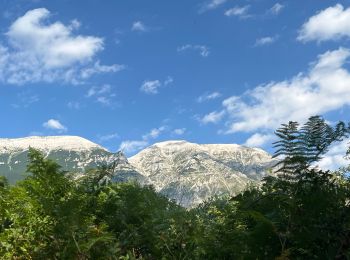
[
  {"x": 186, "y": 172},
  {"x": 191, "y": 173}
]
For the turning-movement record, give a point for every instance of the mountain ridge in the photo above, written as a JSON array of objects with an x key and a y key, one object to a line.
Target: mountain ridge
[
  {"x": 73, "y": 153},
  {"x": 48, "y": 142},
  {"x": 186, "y": 172},
  {"x": 191, "y": 173}
]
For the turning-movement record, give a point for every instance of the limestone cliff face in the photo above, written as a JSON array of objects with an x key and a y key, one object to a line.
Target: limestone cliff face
[
  {"x": 186, "y": 172},
  {"x": 191, "y": 173}
]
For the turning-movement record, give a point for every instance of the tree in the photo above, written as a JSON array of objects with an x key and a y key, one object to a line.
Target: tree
[
  {"x": 49, "y": 218},
  {"x": 308, "y": 206}
]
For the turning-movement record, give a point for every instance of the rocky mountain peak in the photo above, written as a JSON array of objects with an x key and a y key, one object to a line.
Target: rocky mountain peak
[
  {"x": 46, "y": 143},
  {"x": 190, "y": 172},
  {"x": 187, "y": 172}
]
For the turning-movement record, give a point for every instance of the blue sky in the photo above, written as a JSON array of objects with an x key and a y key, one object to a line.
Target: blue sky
[{"x": 126, "y": 74}]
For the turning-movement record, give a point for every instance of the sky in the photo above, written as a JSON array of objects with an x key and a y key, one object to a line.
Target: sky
[{"x": 127, "y": 74}]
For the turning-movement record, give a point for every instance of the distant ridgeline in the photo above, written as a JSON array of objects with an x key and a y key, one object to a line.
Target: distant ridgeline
[
  {"x": 74, "y": 154},
  {"x": 186, "y": 172}
]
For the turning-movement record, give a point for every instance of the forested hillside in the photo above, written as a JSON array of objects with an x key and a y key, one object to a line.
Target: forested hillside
[{"x": 300, "y": 212}]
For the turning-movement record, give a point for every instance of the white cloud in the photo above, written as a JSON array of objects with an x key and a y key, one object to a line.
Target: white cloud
[
  {"x": 151, "y": 86},
  {"x": 54, "y": 124},
  {"x": 329, "y": 24},
  {"x": 276, "y": 9},
  {"x": 213, "y": 117},
  {"x": 258, "y": 140},
  {"x": 75, "y": 24},
  {"x": 40, "y": 51},
  {"x": 99, "y": 90},
  {"x": 202, "y": 49},
  {"x": 53, "y": 44},
  {"x": 208, "y": 96},
  {"x": 241, "y": 12},
  {"x": 211, "y": 5},
  {"x": 132, "y": 146},
  {"x": 324, "y": 88},
  {"x": 179, "y": 131},
  {"x": 104, "y": 101},
  {"x": 97, "y": 68},
  {"x": 335, "y": 157},
  {"x": 139, "y": 26},
  {"x": 102, "y": 94},
  {"x": 265, "y": 40},
  {"x": 154, "y": 133}
]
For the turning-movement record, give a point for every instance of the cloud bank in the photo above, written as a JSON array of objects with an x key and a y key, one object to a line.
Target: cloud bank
[{"x": 323, "y": 89}]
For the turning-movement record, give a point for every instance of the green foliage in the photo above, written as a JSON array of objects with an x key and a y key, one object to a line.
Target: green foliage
[
  {"x": 142, "y": 220},
  {"x": 300, "y": 147},
  {"x": 308, "y": 206},
  {"x": 46, "y": 218},
  {"x": 300, "y": 212}
]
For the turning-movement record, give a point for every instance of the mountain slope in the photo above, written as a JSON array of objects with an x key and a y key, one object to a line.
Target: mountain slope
[
  {"x": 186, "y": 172},
  {"x": 73, "y": 153},
  {"x": 190, "y": 173}
]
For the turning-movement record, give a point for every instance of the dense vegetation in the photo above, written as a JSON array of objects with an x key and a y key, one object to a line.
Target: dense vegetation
[{"x": 300, "y": 212}]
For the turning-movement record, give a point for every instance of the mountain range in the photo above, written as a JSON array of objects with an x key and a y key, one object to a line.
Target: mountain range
[{"x": 188, "y": 173}]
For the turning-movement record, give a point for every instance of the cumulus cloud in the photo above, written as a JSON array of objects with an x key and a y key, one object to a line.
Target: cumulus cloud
[
  {"x": 40, "y": 51},
  {"x": 265, "y": 40},
  {"x": 329, "y": 24},
  {"x": 276, "y": 9},
  {"x": 324, "y": 88},
  {"x": 238, "y": 11},
  {"x": 139, "y": 26},
  {"x": 53, "y": 44},
  {"x": 211, "y": 5},
  {"x": 208, "y": 96},
  {"x": 202, "y": 49},
  {"x": 212, "y": 117},
  {"x": 54, "y": 124}
]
